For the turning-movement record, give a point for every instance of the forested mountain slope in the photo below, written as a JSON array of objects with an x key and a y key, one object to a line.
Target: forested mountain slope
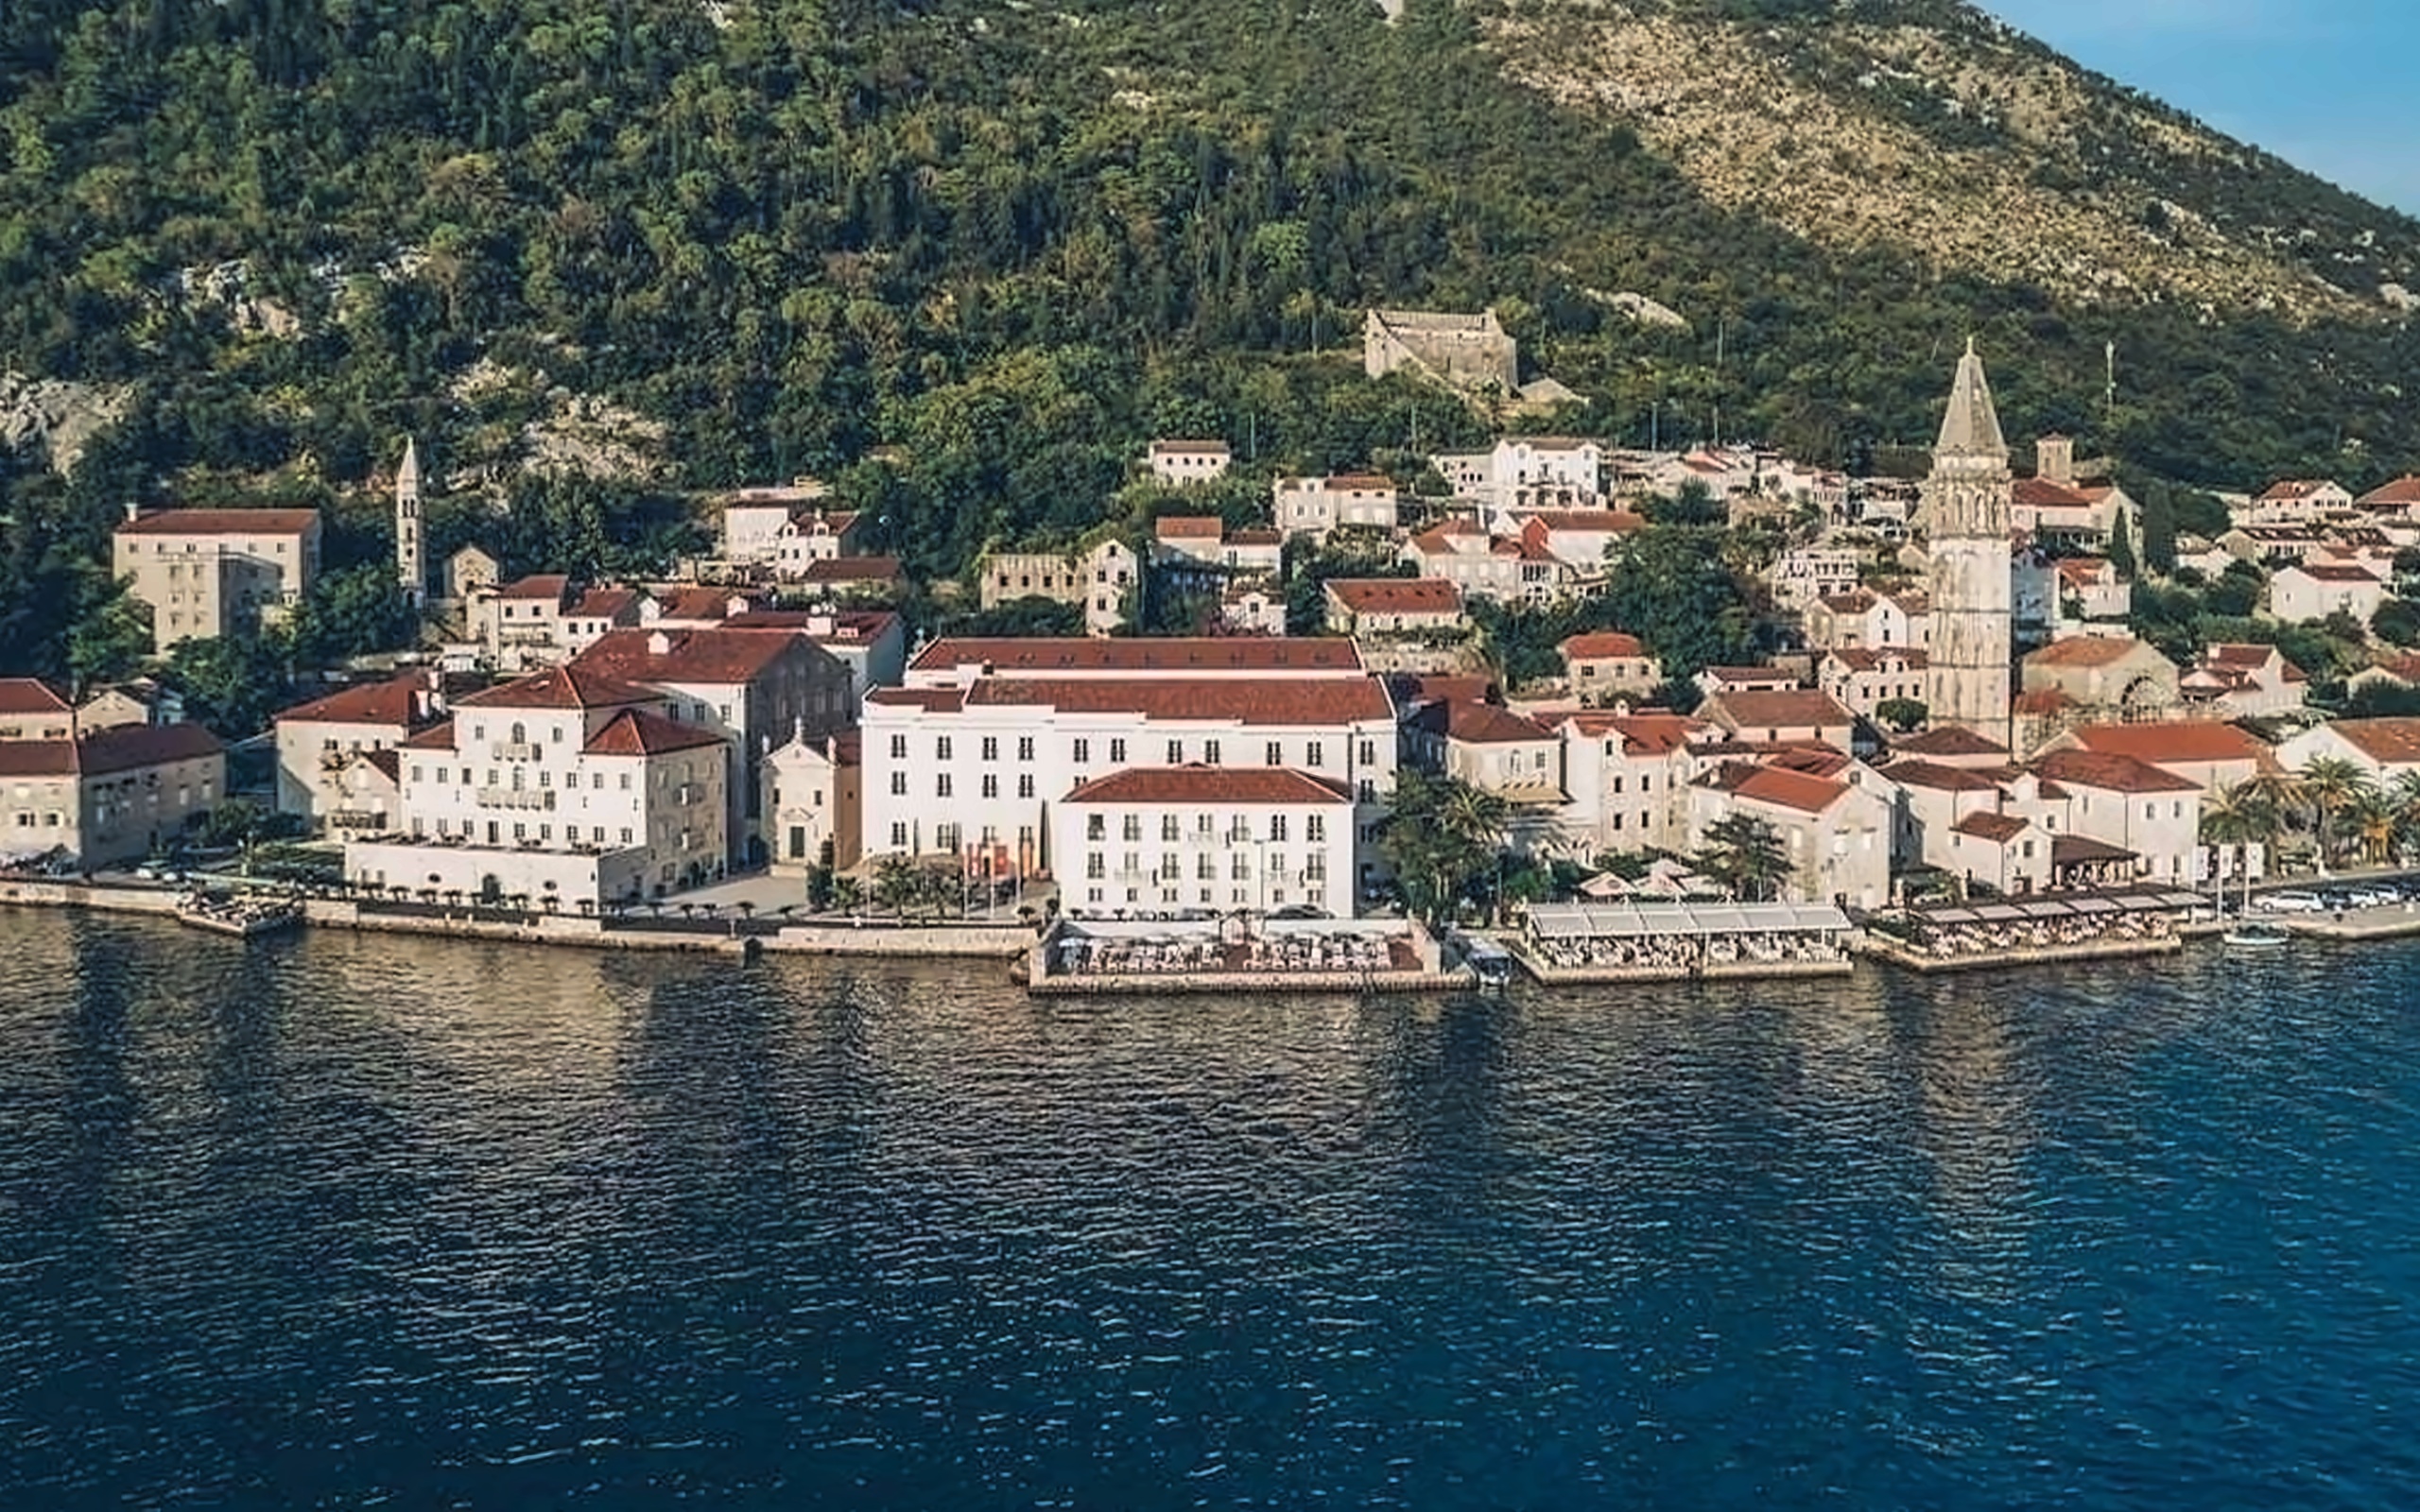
[{"x": 688, "y": 244}]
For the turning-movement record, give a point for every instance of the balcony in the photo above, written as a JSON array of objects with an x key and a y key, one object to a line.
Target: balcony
[
  {"x": 515, "y": 798},
  {"x": 509, "y": 750}
]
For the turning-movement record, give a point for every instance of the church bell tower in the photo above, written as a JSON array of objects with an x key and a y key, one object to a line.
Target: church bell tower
[
  {"x": 1966, "y": 507},
  {"x": 411, "y": 550}
]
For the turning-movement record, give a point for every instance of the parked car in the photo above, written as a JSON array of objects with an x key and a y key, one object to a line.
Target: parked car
[
  {"x": 2373, "y": 894},
  {"x": 2290, "y": 902}
]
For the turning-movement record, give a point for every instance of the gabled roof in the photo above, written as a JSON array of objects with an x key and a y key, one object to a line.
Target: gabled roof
[
  {"x": 2403, "y": 492},
  {"x": 1044, "y": 654},
  {"x": 398, "y": 702},
  {"x": 604, "y": 604},
  {"x": 932, "y": 700},
  {"x": 221, "y": 523},
  {"x": 1998, "y": 828},
  {"x": 1476, "y": 723},
  {"x": 2041, "y": 702},
  {"x": 2042, "y": 493},
  {"x": 1779, "y": 786},
  {"x": 1165, "y": 447},
  {"x": 439, "y": 736},
  {"x": 1597, "y": 645},
  {"x": 104, "y": 752},
  {"x": 717, "y": 655},
  {"x": 850, "y": 570},
  {"x": 1641, "y": 734},
  {"x": 2109, "y": 772},
  {"x": 2388, "y": 742},
  {"x": 1755, "y": 708},
  {"x": 2334, "y": 573},
  {"x": 1190, "y": 527},
  {"x": 1210, "y": 784},
  {"x": 1586, "y": 522},
  {"x": 570, "y": 686},
  {"x": 2085, "y": 651},
  {"x": 1970, "y": 426},
  {"x": 548, "y": 586},
  {"x": 1948, "y": 740},
  {"x": 1328, "y": 701},
  {"x": 2082, "y": 569},
  {"x": 1868, "y": 657},
  {"x": 1396, "y": 595},
  {"x": 2292, "y": 489},
  {"x": 1940, "y": 779},
  {"x": 637, "y": 732},
  {"x": 30, "y": 696},
  {"x": 2183, "y": 740}
]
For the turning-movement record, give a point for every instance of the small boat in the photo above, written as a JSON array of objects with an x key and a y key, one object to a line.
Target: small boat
[{"x": 2258, "y": 935}]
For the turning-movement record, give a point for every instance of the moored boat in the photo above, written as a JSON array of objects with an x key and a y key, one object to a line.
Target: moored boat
[{"x": 2258, "y": 935}]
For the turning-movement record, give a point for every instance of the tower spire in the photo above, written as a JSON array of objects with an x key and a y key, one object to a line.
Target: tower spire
[
  {"x": 411, "y": 551},
  {"x": 1971, "y": 426}
]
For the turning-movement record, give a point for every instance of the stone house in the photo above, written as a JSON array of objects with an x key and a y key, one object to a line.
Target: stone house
[
  {"x": 1602, "y": 664},
  {"x": 206, "y": 574}
]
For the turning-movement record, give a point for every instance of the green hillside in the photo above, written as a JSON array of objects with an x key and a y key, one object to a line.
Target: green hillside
[{"x": 729, "y": 242}]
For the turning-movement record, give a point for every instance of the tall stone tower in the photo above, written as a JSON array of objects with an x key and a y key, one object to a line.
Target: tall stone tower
[
  {"x": 411, "y": 550},
  {"x": 1966, "y": 508}
]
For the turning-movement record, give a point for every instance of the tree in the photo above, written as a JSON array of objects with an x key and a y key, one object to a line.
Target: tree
[
  {"x": 1693, "y": 504},
  {"x": 1744, "y": 853},
  {"x": 2331, "y": 786},
  {"x": 2121, "y": 546},
  {"x": 1440, "y": 837},
  {"x": 2397, "y": 623},
  {"x": 1902, "y": 714}
]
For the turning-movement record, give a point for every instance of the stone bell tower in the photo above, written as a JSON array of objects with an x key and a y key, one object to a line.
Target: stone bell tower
[
  {"x": 412, "y": 548},
  {"x": 1967, "y": 508}
]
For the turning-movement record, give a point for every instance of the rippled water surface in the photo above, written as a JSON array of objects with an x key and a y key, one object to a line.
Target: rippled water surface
[{"x": 343, "y": 1220}]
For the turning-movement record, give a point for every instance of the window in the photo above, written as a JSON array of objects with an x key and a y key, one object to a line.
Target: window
[
  {"x": 1314, "y": 754},
  {"x": 626, "y": 782},
  {"x": 1206, "y": 867},
  {"x": 899, "y": 784},
  {"x": 1210, "y": 752},
  {"x": 1168, "y": 828},
  {"x": 1273, "y": 754},
  {"x": 1176, "y": 753},
  {"x": 1277, "y": 826},
  {"x": 898, "y": 836},
  {"x": 990, "y": 784},
  {"x": 1083, "y": 752},
  {"x": 940, "y": 784},
  {"x": 899, "y": 747},
  {"x": 1024, "y": 747},
  {"x": 1239, "y": 867},
  {"x": 991, "y": 747},
  {"x": 1132, "y": 827},
  {"x": 1369, "y": 751},
  {"x": 940, "y": 747},
  {"x": 1315, "y": 829},
  {"x": 1025, "y": 784},
  {"x": 1116, "y": 751},
  {"x": 1096, "y": 827},
  {"x": 1096, "y": 865},
  {"x": 1614, "y": 786}
]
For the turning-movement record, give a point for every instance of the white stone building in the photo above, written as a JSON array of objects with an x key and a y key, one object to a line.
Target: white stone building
[
  {"x": 565, "y": 784},
  {"x": 1178, "y": 463},
  {"x": 1156, "y": 838},
  {"x": 210, "y": 572},
  {"x": 2317, "y": 589},
  {"x": 1314, "y": 507},
  {"x": 98, "y": 795},
  {"x": 1096, "y": 580},
  {"x": 546, "y": 619},
  {"x": 315, "y": 739},
  {"x": 976, "y": 753}
]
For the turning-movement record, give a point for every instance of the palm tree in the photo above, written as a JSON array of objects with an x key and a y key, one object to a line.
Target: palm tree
[
  {"x": 2331, "y": 786},
  {"x": 2375, "y": 820}
]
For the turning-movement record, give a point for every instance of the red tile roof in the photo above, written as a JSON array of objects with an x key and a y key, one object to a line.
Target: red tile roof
[
  {"x": 2403, "y": 492},
  {"x": 932, "y": 700},
  {"x": 1396, "y": 595},
  {"x": 122, "y": 749},
  {"x": 1362, "y": 481},
  {"x": 1765, "y": 709},
  {"x": 1476, "y": 724},
  {"x": 1329, "y": 701},
  {"x": 1940, "y": 779},
  {"x": 2293, "y": 489},
  {"x": 570, "y": 686},
  {"x": 636, "y": 732},
  {"x": 549, "y": 585},
  {"x": 1642, "y": 735},
  {"x": 30, "y": 695},
  {"x": 439, "y": 736},
  {"x": 1332, "y": 653},
  {"x": 1163, "y": 447},
  {"x": 398, "y": 702},
  {"x": 717, "y": 655},
  {"x": 1868, "y": 658},
  {"x": 1209, "y": 785},
  {"x": 2202, "y": 740},
  {"x": 2085, "y": 651},
  {"x": 2041, "y": 702},
  {"x": 698, "y": 604},
  {"x": 221, "y": 523},
  {"x": 2330, "y": 572},
  {"x": 1998, "y": 828},
  {"x": 2388, "y": 742},
  {"x": 605, "y": 604},
  {"x": 1190, "y": 527},
  {"x": 2041, "y": 493},
  {"x": 853, "y": 569},
  {"x": 1597, "y": 645},
  {"x": 1781, "y": 787},
  {"x": 1610, "y": 522},
  {"x": 1948, "y": 740},
  {"x": 2109, "y": 772}
]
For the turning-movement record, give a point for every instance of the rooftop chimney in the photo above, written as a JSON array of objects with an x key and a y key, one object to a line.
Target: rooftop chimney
[{"x": 659, "y": 644}]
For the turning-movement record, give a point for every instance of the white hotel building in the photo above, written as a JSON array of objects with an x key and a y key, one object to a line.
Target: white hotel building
[
  {"x": 566, "y": 784},
  {"x": 1219, "y": 837},
  {"x": 976, "y": 754}
]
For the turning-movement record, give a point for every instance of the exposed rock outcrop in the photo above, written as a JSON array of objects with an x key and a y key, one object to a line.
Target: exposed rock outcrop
[{"x": 55, "y": 417}]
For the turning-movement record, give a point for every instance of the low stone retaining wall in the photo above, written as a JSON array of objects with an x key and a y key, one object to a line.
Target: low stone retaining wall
[
  {"x": 99, "y": 900},
  {"x": 1005, "y": 942}
]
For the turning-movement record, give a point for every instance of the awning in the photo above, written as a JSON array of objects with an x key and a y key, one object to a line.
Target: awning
[{"x": 2079, "y": 849}]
